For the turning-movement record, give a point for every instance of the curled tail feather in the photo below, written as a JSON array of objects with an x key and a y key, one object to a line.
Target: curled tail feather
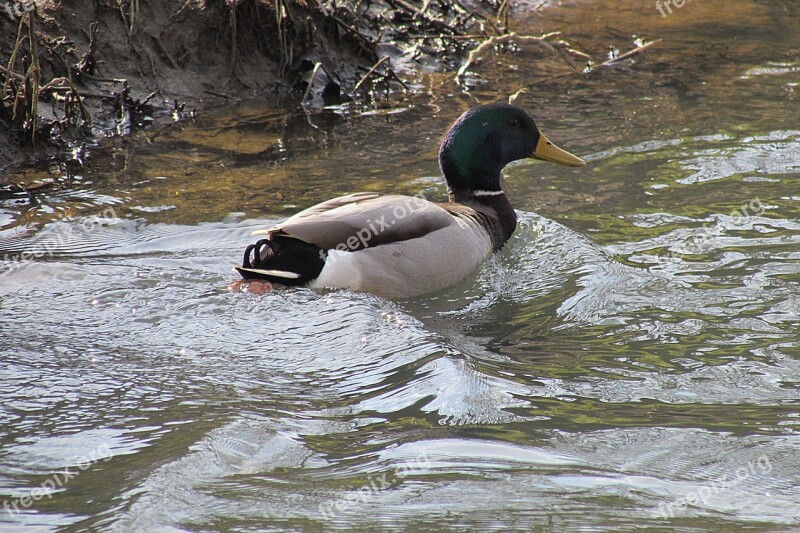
[{"x": 282, "y": 260}]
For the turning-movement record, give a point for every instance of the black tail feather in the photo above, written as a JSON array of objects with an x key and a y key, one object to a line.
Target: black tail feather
[{"x": 283, "y": 254}]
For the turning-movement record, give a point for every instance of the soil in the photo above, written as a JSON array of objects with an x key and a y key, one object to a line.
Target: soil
[{"x": 72, "y": 73}]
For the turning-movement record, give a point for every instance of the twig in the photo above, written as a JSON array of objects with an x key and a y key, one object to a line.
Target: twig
[
  {"x": 52, "y": 86},
  {"x": 286, "y": 44},
  {"x": 234, "y": 44},
  {"x": 478, "y": 16},
  {"x": 133, "y": 16},
  {"x": 359, "y": 38},
  {"x": 11, "y": 73},
  {"x": 177, "y": 13},
  {"x": 498, "y": 39},
  {"x": 397, "y": 79},
  {"x": 566, "y": 52},
  {"x": 35, "y": 77},
  {"x": 103, "y": 80},
  {"x": 465, "y": 37},
  {"x": 147, "y": 99},
  {"x": 369, "y": 73},
  {"x": 502, "y": 13},
  {"x": 421, "y": 14},
  {"x": 13, "y": 59},
  {"x": 317, "y": 68},
  {"x": 423, "y": 9},
  {"x": 221, "y": 95},
  {"x": 87, "y": 64},
  {"x": 630, "y": 53}
]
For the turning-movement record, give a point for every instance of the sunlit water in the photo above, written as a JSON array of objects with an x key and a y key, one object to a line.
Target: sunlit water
[{"x": 629, "y": 359}]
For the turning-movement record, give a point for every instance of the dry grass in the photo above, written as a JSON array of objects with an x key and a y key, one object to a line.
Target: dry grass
[{"x": 24, "y": 90}]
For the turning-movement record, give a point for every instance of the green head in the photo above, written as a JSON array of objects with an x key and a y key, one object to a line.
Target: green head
[{"x": 487, "y": 138}]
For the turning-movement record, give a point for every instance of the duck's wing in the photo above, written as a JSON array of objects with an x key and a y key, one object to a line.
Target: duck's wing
[{"x": 363, "y": 220}]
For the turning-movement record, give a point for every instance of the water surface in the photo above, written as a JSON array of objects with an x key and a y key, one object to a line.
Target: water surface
[{"x": 629, "y": 359}]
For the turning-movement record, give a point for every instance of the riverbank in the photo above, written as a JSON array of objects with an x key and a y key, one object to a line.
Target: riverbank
[{"x": 71, "y": 75}]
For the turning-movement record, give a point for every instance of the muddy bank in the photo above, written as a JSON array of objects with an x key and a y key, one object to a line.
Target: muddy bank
[{"x": 72, "y": 74}]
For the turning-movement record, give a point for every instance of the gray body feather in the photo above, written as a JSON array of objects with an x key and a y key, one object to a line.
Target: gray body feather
[{"x": 391, "y": 245}]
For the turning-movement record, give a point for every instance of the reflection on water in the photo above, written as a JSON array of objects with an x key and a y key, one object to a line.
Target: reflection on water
[{"x": 630, "y": 358}]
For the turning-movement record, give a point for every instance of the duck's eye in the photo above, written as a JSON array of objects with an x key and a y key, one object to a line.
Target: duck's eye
[{"x": 514, "y": 123}]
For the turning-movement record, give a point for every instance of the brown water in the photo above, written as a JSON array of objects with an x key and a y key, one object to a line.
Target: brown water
[{"x": 630, "y": 359}]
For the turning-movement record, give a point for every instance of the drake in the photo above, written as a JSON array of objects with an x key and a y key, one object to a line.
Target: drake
[{"x": 401, "y": 246}]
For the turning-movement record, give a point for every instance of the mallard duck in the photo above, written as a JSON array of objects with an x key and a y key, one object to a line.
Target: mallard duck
[{"x": 401, "y": 246}]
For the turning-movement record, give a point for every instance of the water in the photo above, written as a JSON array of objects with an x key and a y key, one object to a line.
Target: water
[{"x": 629, "y": 359}]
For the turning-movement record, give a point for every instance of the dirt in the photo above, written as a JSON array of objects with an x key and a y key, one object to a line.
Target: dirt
[{"x": 73, "y": 73}]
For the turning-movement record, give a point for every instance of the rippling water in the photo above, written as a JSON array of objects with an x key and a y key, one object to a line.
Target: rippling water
[{"x": 629, "y": 359}]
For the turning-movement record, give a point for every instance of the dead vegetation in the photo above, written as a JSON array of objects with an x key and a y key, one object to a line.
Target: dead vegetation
[
  {"x": 105, "y": 67},
  {"x": 24, "y": 90}
]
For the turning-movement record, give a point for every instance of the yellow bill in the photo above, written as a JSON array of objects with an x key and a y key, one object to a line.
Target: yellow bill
[{"x": 547, "y": 151}]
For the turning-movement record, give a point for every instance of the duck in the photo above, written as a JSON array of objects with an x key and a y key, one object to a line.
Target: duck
[{"x": 398, "y": 246}]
